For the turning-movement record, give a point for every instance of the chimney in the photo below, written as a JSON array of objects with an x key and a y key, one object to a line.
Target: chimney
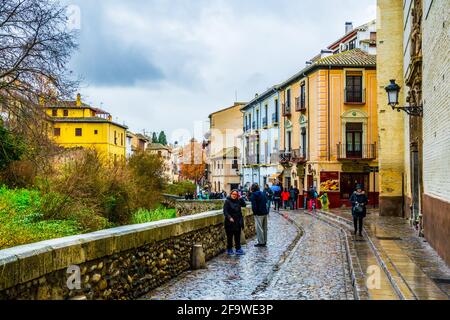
[
  {"x": 348, "y": 27},
  {"x": 325, "y": 53},
  {"x": 78, "y": 103},
  {"x": 256, "y": 95},
  {"x": 308, "y": 63}
]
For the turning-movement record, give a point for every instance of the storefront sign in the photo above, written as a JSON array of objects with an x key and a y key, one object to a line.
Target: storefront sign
[
  {"x": 329, "y": 181},
  {"x": 352, "y": 167}
]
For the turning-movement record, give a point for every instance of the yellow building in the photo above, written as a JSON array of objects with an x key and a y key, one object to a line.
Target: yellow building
[
  {"x": 75, "y": 124},
  {"x": 223, "y": 158},
  {"x": 329, "y": 128}
]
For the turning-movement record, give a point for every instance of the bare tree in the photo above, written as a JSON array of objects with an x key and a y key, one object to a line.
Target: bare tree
[{"x": 35, "y": 47}]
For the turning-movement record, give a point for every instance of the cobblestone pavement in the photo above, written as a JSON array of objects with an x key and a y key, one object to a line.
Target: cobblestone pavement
[{"x": 291, "y": 267}]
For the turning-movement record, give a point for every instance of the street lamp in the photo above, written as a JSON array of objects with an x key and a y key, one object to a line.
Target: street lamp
[{"x": 393, "y": 91}]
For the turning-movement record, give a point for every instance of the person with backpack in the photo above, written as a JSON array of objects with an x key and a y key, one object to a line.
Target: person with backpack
[
  {"x": 359, "y": 201},
  {"x": 269, "y": 195},
  {"x": 259, "y": 208},
  {"x": 276, "y": 196},
  {"x": 312, "y": 196}
]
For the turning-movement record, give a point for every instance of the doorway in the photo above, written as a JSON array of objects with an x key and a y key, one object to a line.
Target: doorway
[
  {"x": 354, "y": 132},
  {"x": 349, "y": 182}
]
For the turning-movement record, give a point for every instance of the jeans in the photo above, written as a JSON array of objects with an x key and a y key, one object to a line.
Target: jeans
[
  {"x": 236, "y": 234},
  {"x": 358, "y": 221},
  {"x": 293, "y": 204},
  {"x": 269, "y": 203},
  {"x": 277, "y": 203}
]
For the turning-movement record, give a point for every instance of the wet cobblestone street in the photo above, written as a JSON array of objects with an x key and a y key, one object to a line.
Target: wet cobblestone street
[{"x": 312, "y": 266}]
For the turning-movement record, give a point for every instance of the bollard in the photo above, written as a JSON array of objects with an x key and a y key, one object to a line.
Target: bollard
[
  {"x": 198, "y": 257},
  {"x": 243, "y": 238}
]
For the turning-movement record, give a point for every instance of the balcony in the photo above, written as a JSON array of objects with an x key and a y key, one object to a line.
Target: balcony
[
  {"x": 274, "y": 158},
  {"x": 356, "y": 152},
  {"x": 300, "y": 104},
  {"x": 286, "y": 109},
  {"x": 252, "y": 159},
  {"x": 264, "y": 122},
  {"x": 298, "y": 156},
  {"x": 354, "y": 96},
  {"x": 275, "y": 119},
  {"x": 292, "y": 156}
]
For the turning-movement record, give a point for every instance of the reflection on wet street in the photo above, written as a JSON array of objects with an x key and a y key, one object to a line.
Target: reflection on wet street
[{"x": 291, "y": 267}]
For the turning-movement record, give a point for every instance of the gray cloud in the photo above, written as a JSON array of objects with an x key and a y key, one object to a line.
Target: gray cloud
[{"x": 164, "y": 64}]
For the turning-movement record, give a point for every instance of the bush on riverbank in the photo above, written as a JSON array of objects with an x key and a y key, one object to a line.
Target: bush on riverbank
[{"x": 82, "y": 195}]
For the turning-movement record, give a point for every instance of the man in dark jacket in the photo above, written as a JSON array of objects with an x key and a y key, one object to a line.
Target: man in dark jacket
[
  {"x": 359, "y": 201},
  {"x": 234, "y": 221},
  {"x": 259, "y": 207}
]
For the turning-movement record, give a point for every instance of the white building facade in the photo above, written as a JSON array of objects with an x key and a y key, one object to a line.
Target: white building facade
[{"x": 261, "y": 138}]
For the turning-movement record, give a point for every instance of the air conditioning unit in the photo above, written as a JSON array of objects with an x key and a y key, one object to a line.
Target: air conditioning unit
[{"x": 343, "y": 47}]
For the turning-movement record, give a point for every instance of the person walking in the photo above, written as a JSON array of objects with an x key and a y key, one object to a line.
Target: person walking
[
  {"x": 234, "y": 221},
  {"x": 293, "y": 198},
  {"x": 359, "y": 201},
  {"x": 285, "y": 198},
  {"x": 312, "y": 196},
  {"x": 269, "y": 195},
  {"x": 259, "y": 207},
  {"x": 276, "y": 196}
]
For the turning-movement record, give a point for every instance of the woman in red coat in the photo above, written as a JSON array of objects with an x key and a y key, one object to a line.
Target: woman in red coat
[{"x": 285, "y": 197}]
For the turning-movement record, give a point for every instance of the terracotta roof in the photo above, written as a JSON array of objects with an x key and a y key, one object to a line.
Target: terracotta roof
[
  {"x": 351, "y": 58},
  {"x": 157, "y": 146}
]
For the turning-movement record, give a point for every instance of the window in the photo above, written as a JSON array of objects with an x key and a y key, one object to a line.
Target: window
[
  {"x": 276, "y": 110},
  {"x": 354, "y": 89},
  {"x": 352, "y": 44},
  {"x": 288, "y": 98},
  {"x": 54, "y": 112},
  {"x": 78, "y": 132},
  {"x": 57, "y": 132},
  {"x": 235, "y": 164},
  {"x": 121, "y": 139},
  {"x": 289, "y": 141},
  {"x": 66, "y": 113},
  {"x": 353, "y": 137},
  {"x": 95, "y": 131},
  {"x": 302, "y": 96},
  {"x": 115, "y": 137}
]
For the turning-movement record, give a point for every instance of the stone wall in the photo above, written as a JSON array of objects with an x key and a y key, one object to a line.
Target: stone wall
[
  {"x": 120, "y": 263},
  {"x": 188, "y": 207}
]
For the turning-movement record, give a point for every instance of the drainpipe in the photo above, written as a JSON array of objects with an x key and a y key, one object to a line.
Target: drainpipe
[{"x": 328, "y": 93}]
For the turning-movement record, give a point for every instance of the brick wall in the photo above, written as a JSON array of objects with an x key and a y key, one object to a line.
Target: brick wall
[{"x": 436, "y": 96}]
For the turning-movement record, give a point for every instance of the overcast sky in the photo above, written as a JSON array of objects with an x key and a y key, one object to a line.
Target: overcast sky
[{"x": 165, "y": 65}]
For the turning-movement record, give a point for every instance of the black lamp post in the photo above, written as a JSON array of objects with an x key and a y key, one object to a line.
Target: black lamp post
[{"x": 393, "y": 91}]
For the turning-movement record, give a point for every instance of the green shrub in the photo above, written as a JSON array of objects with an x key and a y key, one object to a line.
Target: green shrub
[
  {"x": 161, "y": 213},
  {"x": 180, "y": 188}
]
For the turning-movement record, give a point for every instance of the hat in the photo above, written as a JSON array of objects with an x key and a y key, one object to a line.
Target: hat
[{"x": 359, "y": 186}]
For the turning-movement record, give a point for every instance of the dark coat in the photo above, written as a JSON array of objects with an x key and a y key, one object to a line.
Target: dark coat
[
  {"x": 359, "y": 198},
  {"x": 233, "y": 209},
  {"x": 259, "y": 203}
]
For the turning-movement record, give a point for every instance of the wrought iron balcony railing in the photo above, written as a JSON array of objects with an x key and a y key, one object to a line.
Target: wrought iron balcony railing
[
  {"x": 354, "y": 96},
  {"x": 275, "y": 118},
  {"x": 264, "y": 122},
  {"x": 286, "y": 109},
  {"x": 300, "y": 104},
  {"x": 356, "y": 152}
]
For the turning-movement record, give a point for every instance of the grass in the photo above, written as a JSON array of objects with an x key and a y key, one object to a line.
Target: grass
[
  {"x": 22, "y": 223},
  {"x": 161, "y": 213}
]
